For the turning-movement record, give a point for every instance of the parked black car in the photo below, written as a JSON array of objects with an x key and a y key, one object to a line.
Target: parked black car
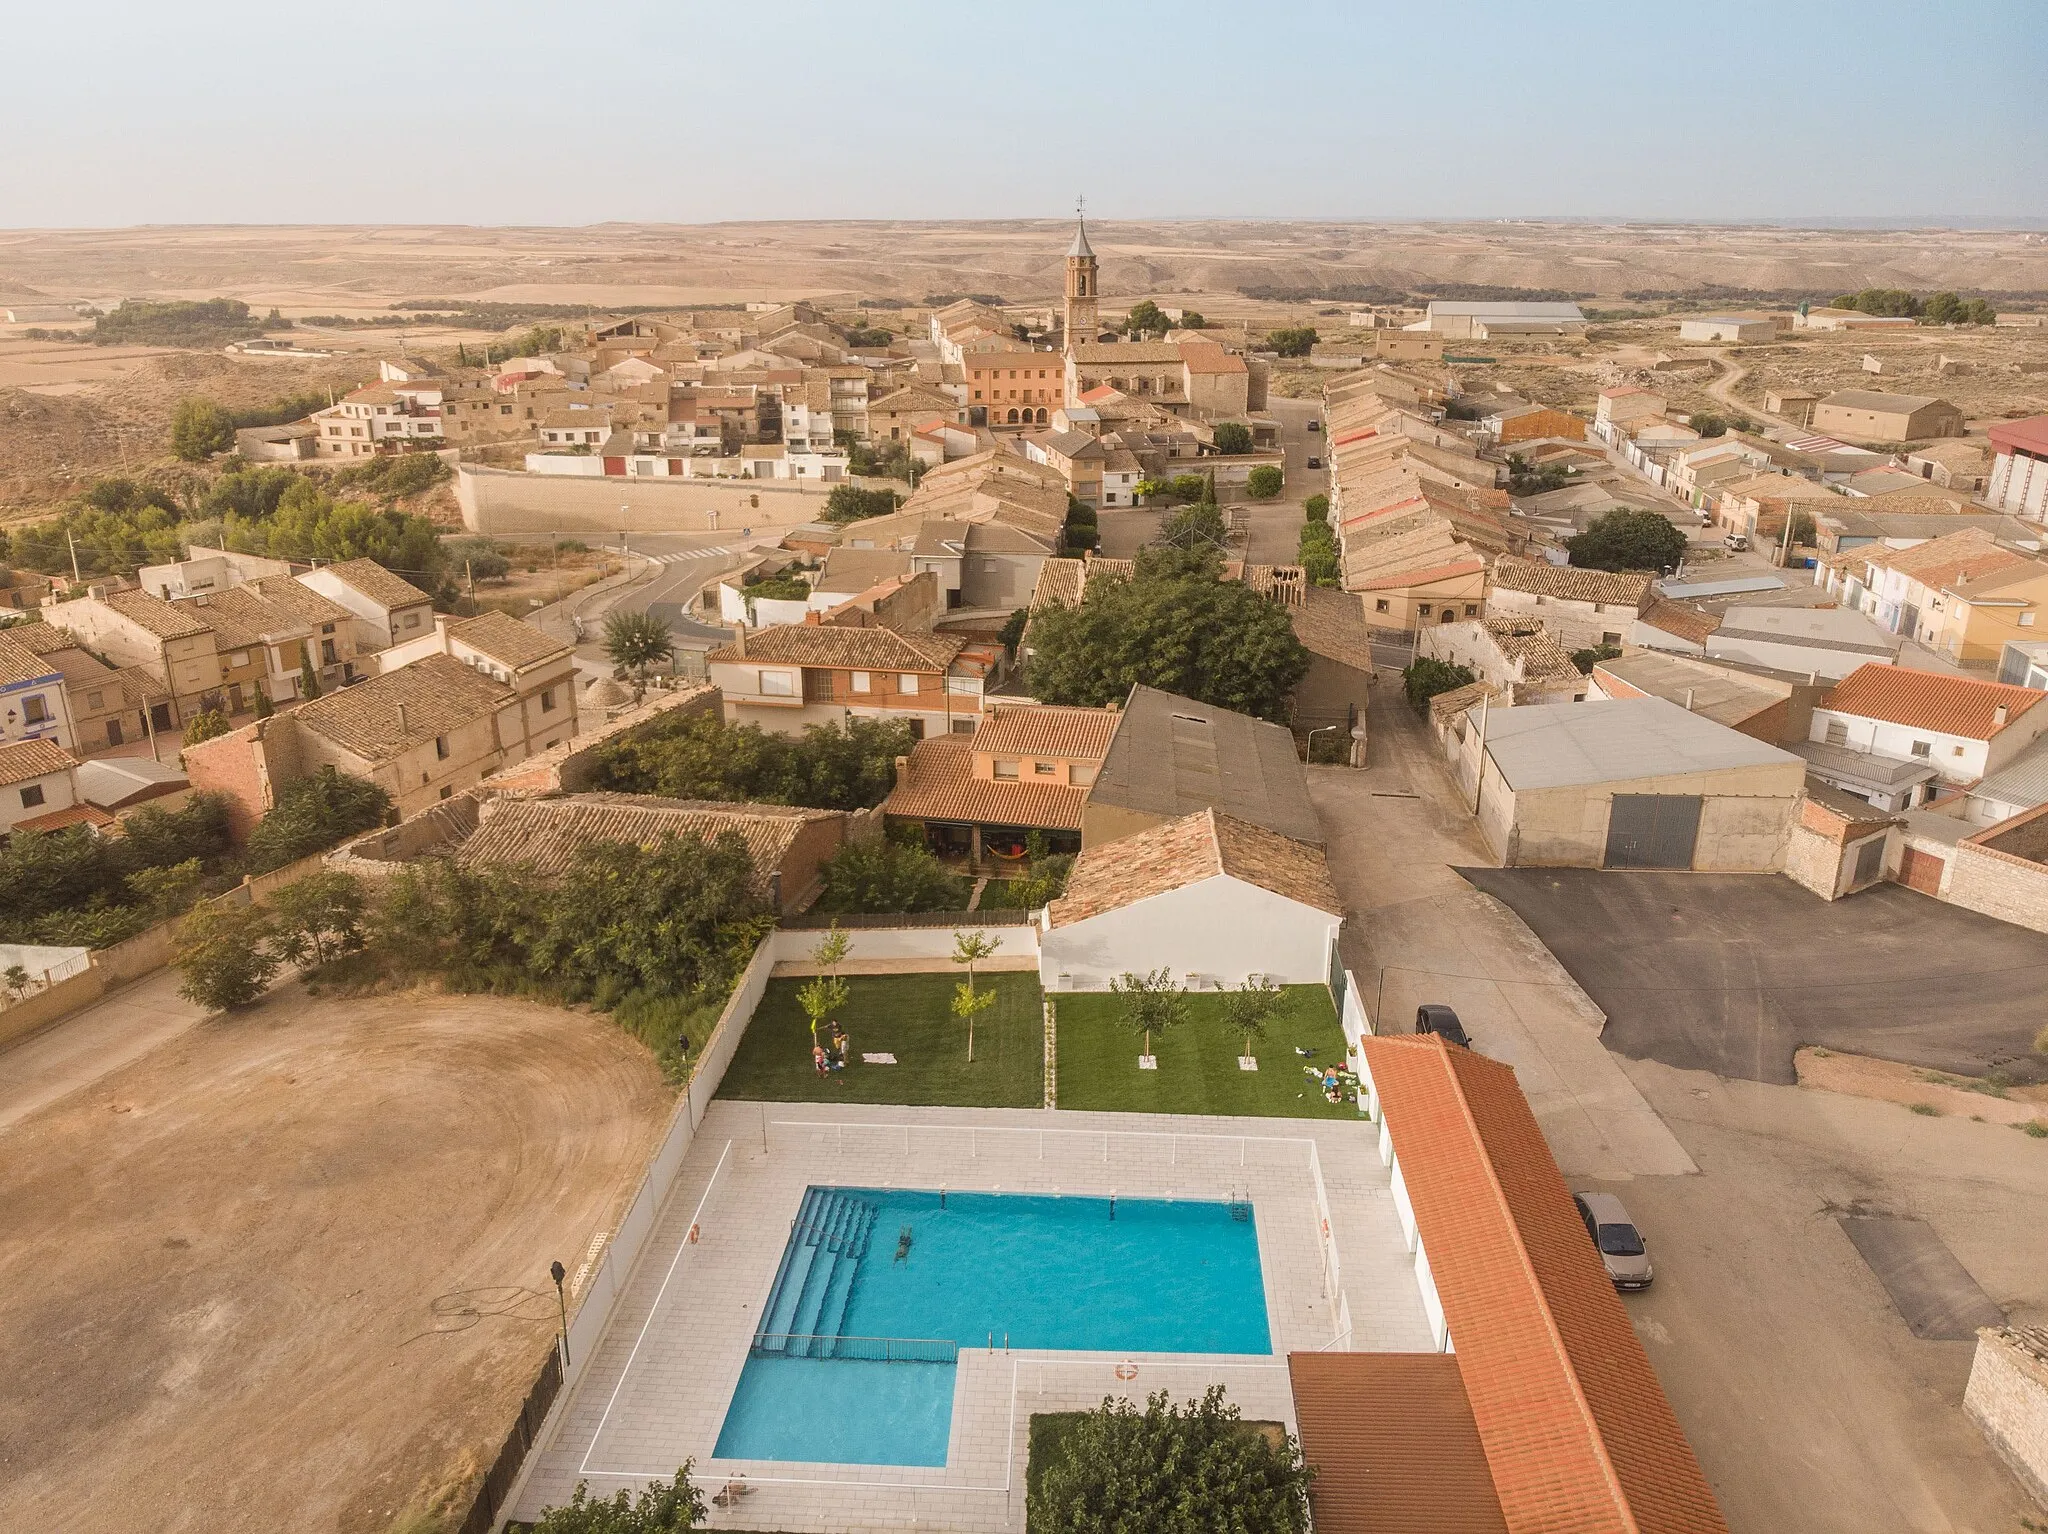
[{"x": 1434, "y": 1017}]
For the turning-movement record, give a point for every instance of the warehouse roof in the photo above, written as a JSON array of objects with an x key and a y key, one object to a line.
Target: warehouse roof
[
  {"x": 1559, "y": 745},
  {"x": 1173, "y": 756}
]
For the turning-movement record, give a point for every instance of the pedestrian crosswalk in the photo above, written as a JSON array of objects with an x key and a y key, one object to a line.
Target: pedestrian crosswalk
[{"x": 681, "y": 556}]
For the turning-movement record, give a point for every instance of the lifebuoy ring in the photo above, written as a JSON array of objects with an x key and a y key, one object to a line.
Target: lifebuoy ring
[{"x": 1126, "y": 1371}]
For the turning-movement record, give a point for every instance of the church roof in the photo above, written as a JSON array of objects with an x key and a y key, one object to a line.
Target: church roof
[{"x": 1080, "y": 246}]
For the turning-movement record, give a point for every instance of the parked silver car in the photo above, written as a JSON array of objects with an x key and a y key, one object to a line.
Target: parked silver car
[{"x": 1621, "y": 1246}]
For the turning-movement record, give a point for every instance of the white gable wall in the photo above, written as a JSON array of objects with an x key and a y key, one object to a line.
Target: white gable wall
[{"x": 1221, "y": 929}]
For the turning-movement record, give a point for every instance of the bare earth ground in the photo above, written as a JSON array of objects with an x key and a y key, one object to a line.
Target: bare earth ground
[{"x": 290, "y": 1270}]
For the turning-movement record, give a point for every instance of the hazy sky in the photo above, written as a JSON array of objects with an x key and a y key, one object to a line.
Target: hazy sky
[{"x": 517, "y": 112}]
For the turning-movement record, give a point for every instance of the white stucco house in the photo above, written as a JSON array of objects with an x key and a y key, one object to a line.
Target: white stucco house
[{"x": 1212, "y": 898}]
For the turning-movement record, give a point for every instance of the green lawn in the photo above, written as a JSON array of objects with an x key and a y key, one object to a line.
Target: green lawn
[
  {"x": 910, "y": 1017},
  {"x": 1198, "y": 1072}
]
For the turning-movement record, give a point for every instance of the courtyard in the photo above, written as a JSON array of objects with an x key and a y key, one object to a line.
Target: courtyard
[{"x": 663, "y": 1381}]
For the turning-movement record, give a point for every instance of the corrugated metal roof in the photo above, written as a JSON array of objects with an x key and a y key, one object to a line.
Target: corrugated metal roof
[
  {"x": 1394, "y": 1445},
  {"x": 1576, "y": 1430},
  {"x": 1173, "y": 756},
  {"x": 1559, "y": 745}
]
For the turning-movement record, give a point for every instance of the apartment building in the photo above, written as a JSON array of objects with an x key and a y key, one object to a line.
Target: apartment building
[
  {"x": 385, "y": 609},
  {"x": 107, "y": 706},
  {"x": 33, "y": 704},
  {"x": 173, "y": 644},
  {"x": 787, "y": 678},
  {"x": 1965, "y": 594},
  {"x": 379, "y": 418},
  {"x": 539, "y": 671}
]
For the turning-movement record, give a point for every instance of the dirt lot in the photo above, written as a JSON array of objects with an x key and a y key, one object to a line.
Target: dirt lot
[{"x": 290, "y": 1270}]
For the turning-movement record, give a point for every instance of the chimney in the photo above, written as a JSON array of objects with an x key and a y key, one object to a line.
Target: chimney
[
  {"x": 739, "y": 639},
  {"x": 1998, "y": 716},
  {"x": 903, "y": 772},
  {"x": 813, "y": 618},
  {"x": 401, "y": 718},
  {"x": 1688, "y": 700}
]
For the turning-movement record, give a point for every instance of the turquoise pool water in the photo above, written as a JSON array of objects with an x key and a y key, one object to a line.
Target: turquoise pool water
[{"x": 965, "y": 1270}]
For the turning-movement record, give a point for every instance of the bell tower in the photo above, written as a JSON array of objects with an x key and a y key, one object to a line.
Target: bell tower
[{"x": 1081, "y": 321}]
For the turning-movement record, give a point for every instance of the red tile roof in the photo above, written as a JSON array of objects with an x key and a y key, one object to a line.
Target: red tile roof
[
  {"x": 1177, "y": 853},
  {"x": 71, "y": 815},
  {"x": 943, "y": 786},
  {"x": 1577, "y": 1432},
  {"x": 21, "y": 760},
  {"x": 1394, "y": 1445},
  {"x": 1928, "y": 700},
  {"x": 1045, "y": 730}
]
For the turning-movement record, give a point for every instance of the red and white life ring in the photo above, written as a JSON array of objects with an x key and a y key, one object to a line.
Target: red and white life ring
[{"x": 1126, "y": 1371}]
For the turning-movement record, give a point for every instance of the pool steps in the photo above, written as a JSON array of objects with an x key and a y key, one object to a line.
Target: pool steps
[{"x": 814, "y": 1285}]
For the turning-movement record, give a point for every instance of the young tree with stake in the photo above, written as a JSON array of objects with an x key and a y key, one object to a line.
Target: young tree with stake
[
  {"x": 1249, "y": 1007},
  {"x": 1149, "y": 1002},
  {"x": 970, "y": 948}
]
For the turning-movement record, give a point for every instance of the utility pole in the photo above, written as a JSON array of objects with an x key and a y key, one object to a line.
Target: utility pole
[{"x": 72, "y": 544}]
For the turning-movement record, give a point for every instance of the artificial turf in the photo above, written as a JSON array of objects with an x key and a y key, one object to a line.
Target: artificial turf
[
  {"x": 1198, "y": 1070},
  {"x": 910, "y": 1017}
]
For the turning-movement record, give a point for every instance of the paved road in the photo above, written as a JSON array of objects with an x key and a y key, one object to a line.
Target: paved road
[
  {"x": 1395, "y": 833},
  {"x": 1698, "y": 970},
  {"x": 71, "y": 1055},
  {"x": 1808, "y": 1398}
]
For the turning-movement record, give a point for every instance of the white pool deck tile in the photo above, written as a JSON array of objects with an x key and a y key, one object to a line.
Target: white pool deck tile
[{"x": 657, "y": 1387}]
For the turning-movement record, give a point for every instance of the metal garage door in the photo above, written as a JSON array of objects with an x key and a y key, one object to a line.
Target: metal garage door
[
  {"x": 1921, "y": 871},
  {"x": 1652, "y": 830}
]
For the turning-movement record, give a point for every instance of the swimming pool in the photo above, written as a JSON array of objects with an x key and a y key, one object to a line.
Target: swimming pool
[{"x": 853, "y": 1359}]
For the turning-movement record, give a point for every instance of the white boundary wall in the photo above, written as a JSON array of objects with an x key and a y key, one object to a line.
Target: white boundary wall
[{"x": 795, "y": 945}]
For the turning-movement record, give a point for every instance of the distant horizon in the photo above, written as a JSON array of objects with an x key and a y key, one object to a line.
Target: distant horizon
[{"x": 529, "y": 114}]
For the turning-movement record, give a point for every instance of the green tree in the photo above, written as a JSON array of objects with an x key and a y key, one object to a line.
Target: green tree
[
  {"x": 1012, "y": 634},
  {"x": 205, "y": 725},
  {"x": 1316, "y": 508},
  {"x": 475, "y": 558},
  {"x": 1150, "y": 1002},
  {"x": 1233, "y": 437},
  {"x": 1426, "y": 676},
  {"x": 1249, "y": 1007},
  {"x": 879, "y": 876},
  {"x": 1196, "y": 1469},
  {"x": 261, "y": 704},
  {"x": 1705, "y": 422},
  {"x": 17, "y": 980},
  {"x": 1293, "y": 341},
  {"x": 848, "y": 766},
  {"x": 820, "y": 997},
  {"x": 1214, "y": 641},
  {"x": 1948, "y": 309},
  {"x": 311, "y": 815},
  {"x": 850, "y": 503},
  {"x": 1264, "y": 482},
  {"x": 970, "y": 948},
  {"x": 1145, "y": 319},
  {"x": 1192, "y": 319},
  {"x": 1590, "y": 657},
  {"x": 200, "y": 428},
  {"x": 1195, "y": 527},
  {"x": 1628, "y": 538},
  {"x": 1318, "y": 554},
  {"x": 309, "y": 680},
  {"x": 662, "y": 1507},
  {"x": 167, "y": 890},
  {"x": 223, "y": 951},
  {"x": 636, "y": 641},
  {"x": 318, "y": 917}
]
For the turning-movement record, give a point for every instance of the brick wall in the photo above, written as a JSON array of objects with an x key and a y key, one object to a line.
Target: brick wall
[
  {"x": 1998, "y": 884},
  {"x": 245, "y": 765},
  {"x": 2007, "y": 1398}
]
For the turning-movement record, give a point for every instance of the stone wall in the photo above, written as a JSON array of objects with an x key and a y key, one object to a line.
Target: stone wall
[
  {"x": 1985, "y": 879},
  {"x": 506, "y": 502},
  {"x": 569, "y": 767},
  {"x": 2007, "y": 1398}
]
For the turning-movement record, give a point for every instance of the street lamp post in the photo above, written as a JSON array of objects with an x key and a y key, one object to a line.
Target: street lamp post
[
  {"x": 1312, "y": 734},
  {"x": 558, "y": 1273}
]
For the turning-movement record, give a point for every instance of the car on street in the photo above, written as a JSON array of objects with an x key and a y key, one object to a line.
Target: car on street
[
  {"x": 1735, "y": 543},
  {"x": 1315, "y": 425},
  {"x": 1623, "y": 1252},
  {"x": 1315, "y": 463},
  {"x": 1435, "y": 1017}
]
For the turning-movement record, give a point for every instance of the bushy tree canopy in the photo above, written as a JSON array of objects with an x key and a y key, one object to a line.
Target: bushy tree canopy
[
  {"x": 1628, "y": 539},
  {"x": 1293, "y": 341},
  {"x": 200, "y": 428},
  {"x": 879, "y": 876},
  {"x": 700, "y": 756},
  {"x": 1215, "y": 641},
  {"x": 311, "y": 815}
]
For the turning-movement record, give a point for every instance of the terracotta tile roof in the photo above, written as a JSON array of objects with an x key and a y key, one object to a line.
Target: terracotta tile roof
[
  {"x": 1576, "y": 1430},
  {"x": 1541, "y": 578},
  {"x": 942, "y": 786},
  {"x": 377, "y": 583},
  {"x": 40, "y": 637},
  {"x": 1112, "y": 875},
  {"x": 301, "y": 601},
  {"x": 1680, "y": 619},
  {"x": 1332, "y": 624},
  {"x": 71, "y": 815},
  {"x": 1059, "y": 584},
  {"x": 19, "y": 664},
  {"x": 546, "y": 834},
  {"x": 1928, "y": 700},
  {"x": 506, "y": 640},
  {"x": 1044, "y": 729},
  {"x": 824, "y": 644},
  {"x": 154, "y": 614},
  {"x": 378, "y": 719},
  {"x": 1209, "y": 357},
  {"x": 1447, "y": 705},
  {"x": 1525, "y": 639},
  {"x": 21, "y": 760},
  {"x": 1394, "y": 1445}
]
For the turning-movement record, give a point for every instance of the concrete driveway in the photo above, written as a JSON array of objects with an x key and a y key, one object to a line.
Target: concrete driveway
[
  {"x": 1733, "y": 972},
  {"x": 1395, "y": 831},
  {"x": 1810, "y": 1401}
]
